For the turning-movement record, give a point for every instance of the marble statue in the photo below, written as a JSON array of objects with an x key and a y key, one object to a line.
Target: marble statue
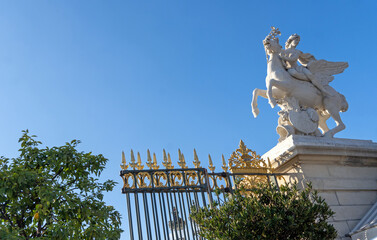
[{"x": 299, "y": 84}]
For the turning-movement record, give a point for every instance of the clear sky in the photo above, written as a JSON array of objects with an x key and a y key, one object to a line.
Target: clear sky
[{"x": 168, "y": 74}]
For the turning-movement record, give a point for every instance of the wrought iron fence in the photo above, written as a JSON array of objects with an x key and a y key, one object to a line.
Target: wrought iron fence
[{"x": 159, "y": 201}]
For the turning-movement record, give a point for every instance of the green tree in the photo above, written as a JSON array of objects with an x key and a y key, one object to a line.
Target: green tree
[
  {"x": 266, "y": 213},
  {"x": 53, "y": 193}
]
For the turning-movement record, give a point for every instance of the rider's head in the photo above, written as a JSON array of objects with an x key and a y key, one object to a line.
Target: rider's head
[{"x": 293, "y": 40}]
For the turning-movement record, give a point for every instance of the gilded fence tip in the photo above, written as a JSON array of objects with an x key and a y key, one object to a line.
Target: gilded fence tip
[
  {"x": 133, "y": 162},
  {"x": 124, "y": 165},
  {"x": 224, "y": 166},
  {"x": 139, "y": 166},
  {"x": 211, "y": 167},
  {"x": 167, "y": 161},
  {"x": 165, "y": 158},
  {"x": 155, "y": 165},
  {"x": 182, "y": 161},
  {"x": 149, "y": 159},
  {"x": 196, "y": 161},
  {"x": 170, "y": 162}
]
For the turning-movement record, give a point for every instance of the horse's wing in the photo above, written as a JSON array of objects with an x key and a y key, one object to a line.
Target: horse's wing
[
  {"x": 324, "y": 69},
  {"x": 328, "y": 68}
]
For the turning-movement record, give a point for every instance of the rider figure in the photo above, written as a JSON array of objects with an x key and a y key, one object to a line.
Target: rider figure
[{"x": 291, "y": 55}]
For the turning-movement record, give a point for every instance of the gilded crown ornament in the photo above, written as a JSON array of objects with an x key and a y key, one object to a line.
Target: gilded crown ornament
[{"x": 246, "y": 160}]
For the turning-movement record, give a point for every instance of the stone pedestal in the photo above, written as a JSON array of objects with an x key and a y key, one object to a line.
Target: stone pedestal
[{"x": 344, "y": 171}]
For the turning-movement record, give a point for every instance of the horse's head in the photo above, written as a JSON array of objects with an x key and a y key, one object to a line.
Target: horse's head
[{"x": 271, "y": 45}]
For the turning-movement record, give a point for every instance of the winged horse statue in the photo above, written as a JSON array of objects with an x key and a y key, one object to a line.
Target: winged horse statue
[{"x": 306, "y": 85}]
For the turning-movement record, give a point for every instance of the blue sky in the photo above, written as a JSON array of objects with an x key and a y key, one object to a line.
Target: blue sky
[{"x": 168, "y": 74}]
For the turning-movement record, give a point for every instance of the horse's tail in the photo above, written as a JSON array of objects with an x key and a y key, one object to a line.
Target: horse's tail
[{"x": 344, "y": 106}]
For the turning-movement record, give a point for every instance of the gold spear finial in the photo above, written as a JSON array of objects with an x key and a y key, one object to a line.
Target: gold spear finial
[
  {"x": 167, "y": 161},
  {"x": 224, "y": 167},
  {"x": 170, "y": 162},
  {"x": 182, "y": 161},
  {"x": 139, "y": 166},
  {"x": 211, "y": 167},
  {"x": 149, "y": 160},
  {"x": 155, "y": 165},
  {"x": 196, "y": 161},
  {"x": 124, "y": 165},
  {"x": 133, "y": 163}
]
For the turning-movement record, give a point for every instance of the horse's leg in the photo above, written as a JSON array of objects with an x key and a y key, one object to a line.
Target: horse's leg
[
  {"x": 254, "y": 104},
  {"x": 322, "y": 122},
  {"x": 271, "y": 99},
  {"x": 284, "y": 86},
  {"x": 333, "y": 108}
]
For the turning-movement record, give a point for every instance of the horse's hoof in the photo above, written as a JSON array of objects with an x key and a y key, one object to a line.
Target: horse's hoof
[{"x": 255, "y": 112}]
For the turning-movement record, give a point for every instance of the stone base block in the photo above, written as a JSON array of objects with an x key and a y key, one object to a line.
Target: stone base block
[{"x": 344, "y": 171}]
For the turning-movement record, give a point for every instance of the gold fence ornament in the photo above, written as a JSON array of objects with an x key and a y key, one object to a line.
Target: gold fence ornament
[
  {"x": 133, "y": 163},
  {"x": 167, "y": 161},
  {"x": 211, "y": 167},
  {"x": 246, "y": 160},
  {"x": 155, "y": 165},
  {"x": 196, "y": 161},
  {"x": 149, "y": 159},
  {"x": 224, "y": 166},
  {"x": 124, "y": 165},
  {"x": 139, "y": 166},
  {"x": 170, "y": 162},
  {"x": 244, "y": 165},
  {"x": 182, "y": 161}
]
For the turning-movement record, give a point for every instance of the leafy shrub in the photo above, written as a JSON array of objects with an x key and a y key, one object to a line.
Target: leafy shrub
[{"x": 267, "y": 213}]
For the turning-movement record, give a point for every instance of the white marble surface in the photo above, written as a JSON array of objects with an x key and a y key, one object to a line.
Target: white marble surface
[
  {"x": 297, "y": 82},
  {"x": 297, "y": 144}
]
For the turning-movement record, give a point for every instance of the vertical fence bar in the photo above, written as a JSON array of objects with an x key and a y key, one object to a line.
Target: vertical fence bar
[
  {"x": 192, "y": 223},
  {"x": 154, "y": 209},
  {"x": 184, "y": 207},
  {"x": 155, "y": 216},
  {"x": 130, "y": 216},
  {"x": 183, "y": 213},
  {"x": 146, "y": 213},
  {"x": 203, "y": 188},
  {"x": 163, "y": 215},
  {"x": 172, "y": 206},
  {"x": 196, "y": 198},
  {"x": 139, "y": 230},
  {"x": 177, "y": 216}
]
